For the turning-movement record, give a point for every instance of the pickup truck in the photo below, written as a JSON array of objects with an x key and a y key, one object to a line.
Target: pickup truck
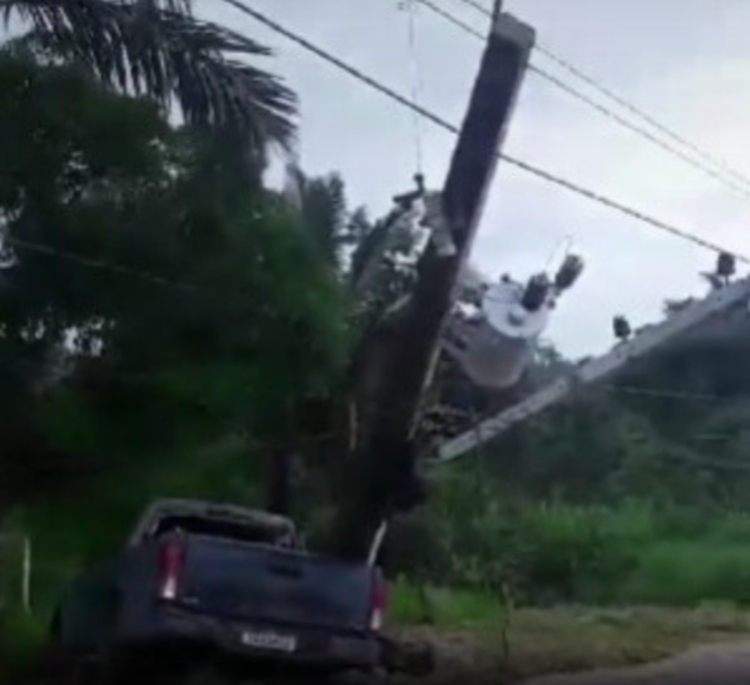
[{"x": 211, "y": 585}]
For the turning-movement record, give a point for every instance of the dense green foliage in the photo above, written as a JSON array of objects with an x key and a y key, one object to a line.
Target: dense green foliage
[
  {"x": 635, "y": 492},
  {"x": 161, "y": 319},
  {"x": 167, "y": 325}
]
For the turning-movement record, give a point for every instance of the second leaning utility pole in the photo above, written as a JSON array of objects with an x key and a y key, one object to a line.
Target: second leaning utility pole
[{"x": 383, "y": 477}]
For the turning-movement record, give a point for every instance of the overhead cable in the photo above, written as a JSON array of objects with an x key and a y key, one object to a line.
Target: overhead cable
[
  {"x": 602, "y": 109},
  {"x": 609, "y": 93},
  {"x": 532, "y": 169}
]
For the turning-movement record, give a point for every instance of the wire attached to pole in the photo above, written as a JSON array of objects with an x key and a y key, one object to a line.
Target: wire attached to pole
[
  {"x": 439, "y": 121},
  {"x": 409, "y": 6}
]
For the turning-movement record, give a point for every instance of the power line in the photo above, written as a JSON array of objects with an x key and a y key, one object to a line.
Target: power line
[
  {"x": 416, "y": 86},
  {"x": 116, "y": 268},
  {"x": 16, "y": 360},
  {"x": 708, "y": 462},
  {"x": 602, "y": 109},
  {"x": 672, "y": 394},
  {"x": 94, "y": 263},
  {"x": 723, "y": 464},
  {"x": 665, "y": 393},
  {"x": 477, "y": 6},
  {"x": 713, "y": 437},
  {"x": 622, "y": 102},
  {"x": 442, "y": 123},
  {"x": 678, "y": 138}
]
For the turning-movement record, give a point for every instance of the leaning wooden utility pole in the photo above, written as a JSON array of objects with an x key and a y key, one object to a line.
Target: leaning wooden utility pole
[{"x": 384, "y": 478}]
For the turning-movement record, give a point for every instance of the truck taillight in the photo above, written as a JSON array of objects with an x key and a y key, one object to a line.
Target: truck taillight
[
  {"x": 171, "y": 558},
  {"x": 378, "y": 601}
]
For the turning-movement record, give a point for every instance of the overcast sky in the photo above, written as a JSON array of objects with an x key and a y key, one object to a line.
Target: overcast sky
[{"x": 686, "y": 62}]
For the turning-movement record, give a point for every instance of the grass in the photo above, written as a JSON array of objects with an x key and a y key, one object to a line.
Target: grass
[
  {"x": 595, "y": 555},
  {"x": 469, "y": 643},
  {"x": 69, "y": 535},
  {"x": 468, "y": 629},
  {"x": 632, "y": 555},
  {"x": 442, "y": 607},
  {"x": 22, "y": 637},
  {"x": 573, "y": 639},
  {"x": 468, "y": 633}
]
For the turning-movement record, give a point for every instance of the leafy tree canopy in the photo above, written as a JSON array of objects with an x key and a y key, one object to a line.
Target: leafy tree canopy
[{"x": 148, "y": 296}]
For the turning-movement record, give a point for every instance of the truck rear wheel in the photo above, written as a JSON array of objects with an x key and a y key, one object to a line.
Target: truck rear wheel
[
  {"x": 205, "y": 676},
  {"x": 409, "y": 658},
  {"x": 201, "y": 675},
  {"x": 65, "y": 669}
]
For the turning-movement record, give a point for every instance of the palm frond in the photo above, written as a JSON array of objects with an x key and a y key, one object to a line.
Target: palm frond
[{"x": 158, "y": 48}]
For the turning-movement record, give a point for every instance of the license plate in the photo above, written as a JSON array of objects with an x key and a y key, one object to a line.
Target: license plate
[{"x": 264, "y": 639}]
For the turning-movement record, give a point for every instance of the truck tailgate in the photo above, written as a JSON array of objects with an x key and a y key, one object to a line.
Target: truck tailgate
[{"x": 261, "y": 582}]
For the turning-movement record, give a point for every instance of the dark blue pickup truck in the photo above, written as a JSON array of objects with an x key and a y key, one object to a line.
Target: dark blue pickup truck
[{"x": 219, "y": 586}]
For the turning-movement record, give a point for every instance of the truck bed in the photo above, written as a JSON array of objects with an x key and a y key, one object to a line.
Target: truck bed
[
  {"x": 261, "y": 582},
  {"x": 199, "y": 579}
]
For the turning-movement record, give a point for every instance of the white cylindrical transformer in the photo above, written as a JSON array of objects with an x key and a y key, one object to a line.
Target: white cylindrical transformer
[{"x": 494, "y": 348}]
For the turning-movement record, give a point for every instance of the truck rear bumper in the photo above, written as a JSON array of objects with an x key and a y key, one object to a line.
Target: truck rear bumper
[{"x": 185, "y": 630}]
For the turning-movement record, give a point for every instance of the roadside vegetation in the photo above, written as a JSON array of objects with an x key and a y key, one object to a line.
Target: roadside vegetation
[
  {"x": 167, "y": 322},
  {"x": 609, "y": 587}
]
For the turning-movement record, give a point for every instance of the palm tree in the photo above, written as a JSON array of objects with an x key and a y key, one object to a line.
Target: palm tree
[
  {"x": 322, "y": 207},
  {"x": 160, "y": 49}
]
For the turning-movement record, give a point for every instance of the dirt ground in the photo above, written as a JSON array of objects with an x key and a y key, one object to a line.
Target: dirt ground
[
  {"x": 596, "y": 646},
  {"x": 579, "y": 646},
  {"x": 715, "y": 665}
]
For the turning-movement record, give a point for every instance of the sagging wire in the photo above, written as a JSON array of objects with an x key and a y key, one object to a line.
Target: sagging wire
[
  {"x": 410, "y": 8},
  {"x": 437, "y": 120}
]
